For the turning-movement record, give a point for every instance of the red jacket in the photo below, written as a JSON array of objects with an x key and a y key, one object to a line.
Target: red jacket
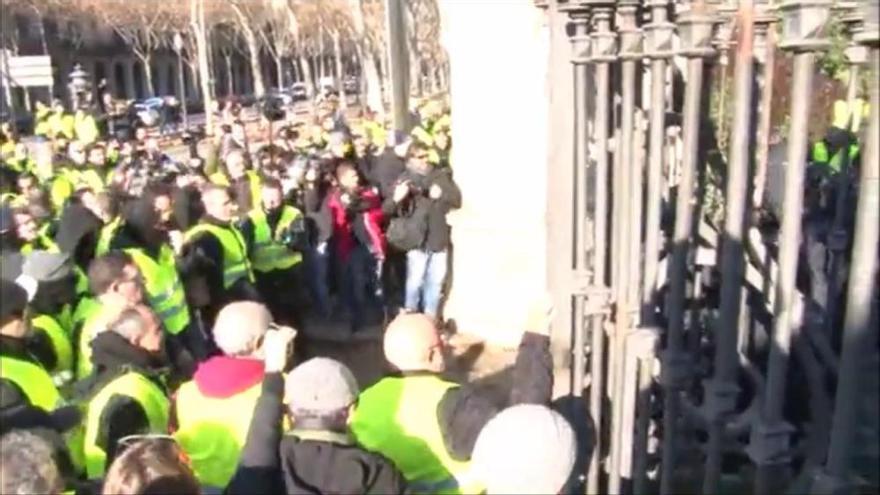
[{"x": 359, "y": 221}]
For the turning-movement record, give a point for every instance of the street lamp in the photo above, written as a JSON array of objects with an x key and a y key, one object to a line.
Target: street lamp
[
  {"x": 78, "y": 85},
  {"x": 178, "y": 47}
]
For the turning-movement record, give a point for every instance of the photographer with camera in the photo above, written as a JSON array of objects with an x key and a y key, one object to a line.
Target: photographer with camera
[
  {"x": 276, "y": 236},
  {"x": 422, "y": 198}
]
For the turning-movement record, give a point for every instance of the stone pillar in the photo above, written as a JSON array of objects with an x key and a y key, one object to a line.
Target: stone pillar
[
  {"x": 500, "y": 233},
  {"x": 110, "y": 74},
  {"x": 128, "y": 71}
]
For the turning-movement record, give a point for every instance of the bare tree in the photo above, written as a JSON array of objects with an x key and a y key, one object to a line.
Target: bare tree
[
  {"x": 250, "y": 15},
  {"x": 365, "y": 46},
  {"x": 279, "y": 36}
]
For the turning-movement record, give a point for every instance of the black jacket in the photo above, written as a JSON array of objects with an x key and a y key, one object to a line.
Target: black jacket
[
  {"x": 308, "y": 462},
  {"x": 464, "y": 410},
  {"x": 419, "y": 204},
  {"x": 385, "y": 170}
]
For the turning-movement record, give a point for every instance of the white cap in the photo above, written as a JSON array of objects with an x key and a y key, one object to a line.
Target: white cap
[{"x": 525, "y": 449}]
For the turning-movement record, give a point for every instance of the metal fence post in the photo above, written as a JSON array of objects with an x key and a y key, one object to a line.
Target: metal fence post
[
  {"x": 695, "y": 30},
  {"x": 658, "y": 37},
  {"x": 857, "y": 331},
  {"x": 723, "y": 388},
  {"x": 769, "y": 445},
  {"x": 603, "y": 48}
]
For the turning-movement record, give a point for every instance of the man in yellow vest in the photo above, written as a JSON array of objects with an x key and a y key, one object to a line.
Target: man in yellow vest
[
  {"x": 19, "y": 367},
  {"x": 52, "y": 306},
  {"x": 117, "y": 284},
  {"x": 216, "y": 262},
  {"x": 276, "y": 235},
  {"x": 428, "y": 426},
  {"x": 61, "y": 122},
  {"x": 243, "y": 182},
  {"x": 126, "y": 393},
  {"x": 29, "y": 235},
  {"x": 144, "y": 236},
  {"x": 213, "y": 411},
  {"x": 85, "y": 127},
  {"x": 41, "y": 120}
]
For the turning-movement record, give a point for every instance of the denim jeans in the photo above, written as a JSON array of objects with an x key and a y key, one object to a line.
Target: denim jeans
[
  {"x": 361, "y": 283},
  {"x": 425, "y": 272},
  {"x": 317, "y": 259}
]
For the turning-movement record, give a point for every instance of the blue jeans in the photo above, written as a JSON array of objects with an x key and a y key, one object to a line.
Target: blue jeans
[
  {"x": 425, "y": 272},
  {"x": 317, "y": 259},
  {"x": 361, "y": 282}
]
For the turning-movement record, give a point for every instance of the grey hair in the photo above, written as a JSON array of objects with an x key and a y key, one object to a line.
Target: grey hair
[
  {"x": 130, "y": 324},
  {"x": 27, "y": 465}
]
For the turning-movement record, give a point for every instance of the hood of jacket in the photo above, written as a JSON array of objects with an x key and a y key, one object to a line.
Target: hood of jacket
[
  {"x": 110, "y": 351},
  {"x": 225, "y": 376},
  {"x": 78, "y": 231}
]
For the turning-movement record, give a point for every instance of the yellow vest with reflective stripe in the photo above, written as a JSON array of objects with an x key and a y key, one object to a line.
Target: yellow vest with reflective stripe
[
  {"x": 61, "y": 347},
  {"x": 270, "y": 253},
  {"x": 85, "y": 127},
  {"x": 33, "y": 381},
  {"x": 86, "y": 312},
  {"x": 152, "y": 400},
  {"x": 163, "y": 286},
  {"x": 396, "y": 418},
  {"x": 212, "y": 430},
  {"x": 235, "y": 258},
  {"x": 105, "y": 237}
]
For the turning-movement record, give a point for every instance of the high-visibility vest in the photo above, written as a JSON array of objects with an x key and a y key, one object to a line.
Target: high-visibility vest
[
  {"x": 41, "y": 126},
  {"x": 61, "y": 189},
  {"x": 254, "y": 182},
  {"x": 212, "y": 430},
  {"x": 821, "y": 155},
  {"x": 235, "y": 256},
  {"x": 163, "y": 286},
  {"x": 41, "y": 242},
  {"x": 105, "y": 237},
  {"x": 85, "y": 127},
  {"x": 86, "y": 312},
  {"x": 61, "y": 347},
  {"x": 396, "y": 418},
  {"x": 270, "y": 253},
  {"x": 142, "y": 390},
  {"x": 62, "y": 125},
  {"x": 35, "y": 382}
]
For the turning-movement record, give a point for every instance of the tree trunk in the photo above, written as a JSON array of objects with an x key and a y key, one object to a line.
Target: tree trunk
[
  {"x": 372, "y": 80},
  {"x": 279, "y": 71},
  {"x": 230, "y": 77},
  {"x": 197, "y": 23},
  {"x": 256, "y": 70},
  {"x": 148, "y": 73},
  {"x": 337, "y": 50},
  {"x": 307, "y": 74}
]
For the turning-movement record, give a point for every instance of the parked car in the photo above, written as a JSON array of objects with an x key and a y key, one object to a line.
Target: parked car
[{"x": 299, "y": 91}]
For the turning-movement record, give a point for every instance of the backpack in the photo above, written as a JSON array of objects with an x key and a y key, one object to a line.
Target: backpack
[{"x": 407, "y": 231}]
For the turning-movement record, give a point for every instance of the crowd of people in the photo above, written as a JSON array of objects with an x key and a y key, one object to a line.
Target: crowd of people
[{"x": 149, "y": 306}]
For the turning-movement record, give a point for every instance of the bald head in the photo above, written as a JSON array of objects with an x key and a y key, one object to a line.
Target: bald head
[
  {"x": 217, "y": 203},
  {"x": 239, "y": 327},
  {"x": 412, "y": 343}
]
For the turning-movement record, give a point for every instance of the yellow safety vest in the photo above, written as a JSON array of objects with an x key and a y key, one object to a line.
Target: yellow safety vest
[
  {"x": 43, "y": 242},
  {"x": 86, "y": 312},
  {"x": 212, "y": 431},
  {"x": 42, "y": 127},
  {"x": 143, "y": 391},
  {"x": 270, "y": 253},
  {"x": 108, "y": 232},
  {"x": 163, "y": 286},
  {"x": 235, "y": 256},
  {"x": 33, "y": 380},
  {"x": 254, "y": 182},
  {"x": 85, "y": 127},
  {"x": 396, "y": 418},
  {"x": 61, "y": 347}
]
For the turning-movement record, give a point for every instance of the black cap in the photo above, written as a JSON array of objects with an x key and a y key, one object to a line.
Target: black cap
[{"x": 13, "y": 298}]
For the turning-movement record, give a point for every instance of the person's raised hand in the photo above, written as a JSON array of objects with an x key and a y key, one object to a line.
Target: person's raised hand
[
  {"x": 401, "y": 191},
  {"x": 277, "y": 345},
  {"x": 435, "y": 192},
  {"x": 540, "y": 316}
]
